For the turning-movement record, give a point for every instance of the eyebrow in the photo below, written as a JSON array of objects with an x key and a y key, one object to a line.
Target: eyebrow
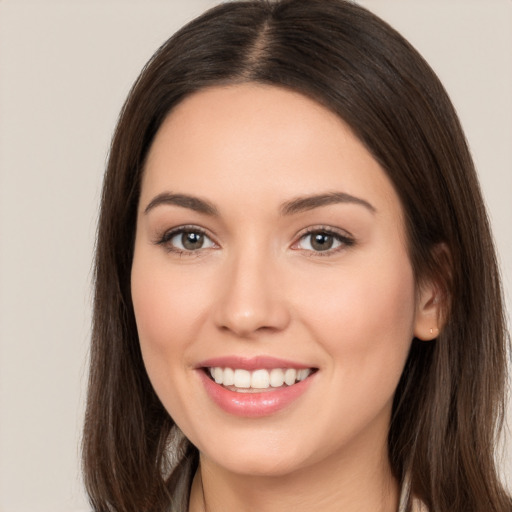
[
  {"x": 297, "y": 205},
  {"x": 183, "y": 200},
  {"x": 302, "y": 204}
]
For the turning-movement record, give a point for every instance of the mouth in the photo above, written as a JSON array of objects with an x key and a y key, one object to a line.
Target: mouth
[
  {"x": 255, "y": 387},
  {"x": 259, "y": 380}
]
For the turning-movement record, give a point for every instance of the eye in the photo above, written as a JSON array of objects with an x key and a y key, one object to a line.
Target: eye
[
  {"x": 186, "y": 240},
  {"x": 323, "y": 240}
]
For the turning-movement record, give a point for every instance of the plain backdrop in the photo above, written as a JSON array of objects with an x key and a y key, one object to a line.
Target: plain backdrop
[{"x": 65, "y": 69}]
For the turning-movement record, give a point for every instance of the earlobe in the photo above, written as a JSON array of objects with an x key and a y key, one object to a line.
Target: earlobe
[
  {"x": 434, "y": 297},
  {"x": 428, "y": 319}
]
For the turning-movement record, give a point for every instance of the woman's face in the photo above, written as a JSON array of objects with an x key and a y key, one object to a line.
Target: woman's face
[{"x": 271, "y": 252}]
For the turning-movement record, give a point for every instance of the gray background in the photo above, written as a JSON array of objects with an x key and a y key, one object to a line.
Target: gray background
[{"x": 65, "y": 69}]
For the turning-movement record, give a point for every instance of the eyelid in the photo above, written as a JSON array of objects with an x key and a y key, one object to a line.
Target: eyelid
[
  {"x": 167, "y": 235},
  {"x": 345, "y": 238}
]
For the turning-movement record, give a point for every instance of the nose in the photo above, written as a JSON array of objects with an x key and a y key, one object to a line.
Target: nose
[{"x": 252, "y": 298}]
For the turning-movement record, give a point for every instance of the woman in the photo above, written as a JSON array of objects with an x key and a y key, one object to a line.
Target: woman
[{"x": 297, "y": 300}]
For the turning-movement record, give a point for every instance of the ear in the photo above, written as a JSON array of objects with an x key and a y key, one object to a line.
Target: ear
[
  {"x": 428, "y": 312},
  {"x": 433, "y": 299}
]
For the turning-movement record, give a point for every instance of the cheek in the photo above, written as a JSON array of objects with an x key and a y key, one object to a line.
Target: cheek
[
  {"x": 151, "y": 301},
  {"x": 148, "y": 299},
  {"x": 365, "y": 320},
  {"x": 163, "y": 316},
  {"x": 166, "y": 302},
  {"x": 164, "y": 309}
]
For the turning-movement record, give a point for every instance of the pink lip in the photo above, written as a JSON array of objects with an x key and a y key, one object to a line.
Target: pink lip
[
  {"x": 250, "y": 363},
  {"x": 253, "y": 405}
]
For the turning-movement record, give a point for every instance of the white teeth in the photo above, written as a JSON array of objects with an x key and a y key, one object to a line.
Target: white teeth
[
  {"x": 303, "y": 374},
  {"x": 290, "y": 376},
  {"x": 218, "y": 375},
  {"x": 242, "y": 379},
  {"x": 276, "y": 377},
  {"x": 258, "y": 379},
  {"x": 229, "y": 377}
]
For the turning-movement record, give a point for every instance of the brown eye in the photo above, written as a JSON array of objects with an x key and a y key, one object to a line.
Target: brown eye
[
  {"x": 186, "y": 240},
  {"x": 192, "y": 240},
  {"x": 324, "y": 241},
  {"x": 321, "y": 241}
]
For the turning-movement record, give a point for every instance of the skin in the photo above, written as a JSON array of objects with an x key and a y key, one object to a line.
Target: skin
[{"x": 258, "y": 287}]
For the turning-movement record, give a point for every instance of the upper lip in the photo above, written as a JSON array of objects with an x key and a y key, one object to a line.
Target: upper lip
[{"x": 251, "y": 363}]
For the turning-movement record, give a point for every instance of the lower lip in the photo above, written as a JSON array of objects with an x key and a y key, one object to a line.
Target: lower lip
[{"x": 254, "y": 404}]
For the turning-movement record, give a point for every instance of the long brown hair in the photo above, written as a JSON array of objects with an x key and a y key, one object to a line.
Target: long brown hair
[{"x": 449, "y": 404}]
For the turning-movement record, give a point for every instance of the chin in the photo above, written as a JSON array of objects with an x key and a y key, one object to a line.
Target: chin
[
  {"x": 259, "y": 464},
  {"x": 259, "y": 456}
]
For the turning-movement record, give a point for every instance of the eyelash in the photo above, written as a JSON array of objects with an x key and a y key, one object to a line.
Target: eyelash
[
  {"x": 345, "y": 240},
  {"x": 165, "y": 240}
]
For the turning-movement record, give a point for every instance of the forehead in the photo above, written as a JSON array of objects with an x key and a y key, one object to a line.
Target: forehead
[{"x": 261, "y": 141}]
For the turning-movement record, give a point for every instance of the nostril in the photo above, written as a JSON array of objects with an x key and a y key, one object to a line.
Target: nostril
[
  {"x": 250, "y": 299},
  {"x": 260, "y": 320}
]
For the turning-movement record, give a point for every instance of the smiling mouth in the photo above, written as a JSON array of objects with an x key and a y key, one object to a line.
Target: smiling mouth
[{"x": 256, "y": 381}]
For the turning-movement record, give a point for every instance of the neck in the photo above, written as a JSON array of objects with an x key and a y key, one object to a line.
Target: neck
[{"x": 351, "y": 484}]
